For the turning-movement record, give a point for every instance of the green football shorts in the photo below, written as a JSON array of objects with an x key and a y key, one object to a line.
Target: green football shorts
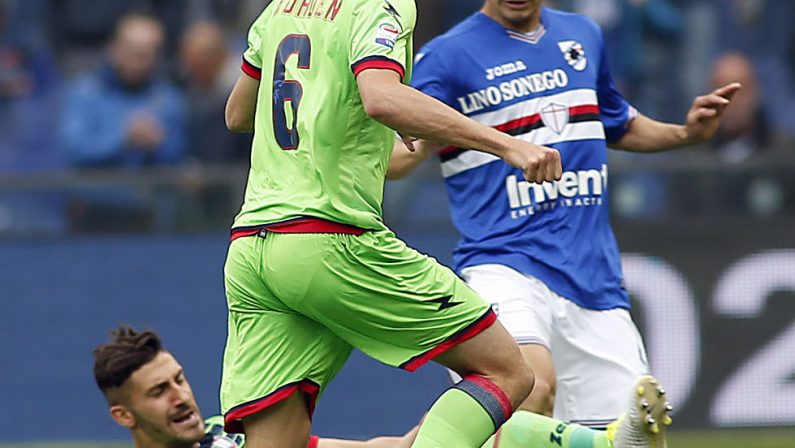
[{"x": 299, "y": 302}]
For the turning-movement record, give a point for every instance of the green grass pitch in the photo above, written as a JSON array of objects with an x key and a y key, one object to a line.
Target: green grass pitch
[{"x": 739, "y": 438}]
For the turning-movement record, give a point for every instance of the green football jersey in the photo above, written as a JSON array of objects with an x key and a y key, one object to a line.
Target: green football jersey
[{"x": 316, "y": 153}]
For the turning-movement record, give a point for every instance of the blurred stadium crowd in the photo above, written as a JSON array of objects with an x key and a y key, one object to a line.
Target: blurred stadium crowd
[{"x": 111, "y": 112}]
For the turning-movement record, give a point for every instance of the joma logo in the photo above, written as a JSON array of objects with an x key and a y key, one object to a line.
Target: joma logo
[{"x": 505, "y": 69}]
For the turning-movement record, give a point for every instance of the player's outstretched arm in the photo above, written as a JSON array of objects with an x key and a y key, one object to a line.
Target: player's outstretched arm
[
  {"x": 242, "y": 104},
  {"x": 411, "y": 112},
  {"x": 405, "y": 159},
  {"x": 703, "y": 118}
]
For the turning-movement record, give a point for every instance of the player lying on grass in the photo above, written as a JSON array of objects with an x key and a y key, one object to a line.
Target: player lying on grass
[{"x": 148, "y": 393}]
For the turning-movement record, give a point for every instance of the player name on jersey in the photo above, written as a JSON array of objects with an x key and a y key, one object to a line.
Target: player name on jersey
[
  {"x": 510, "y": 90},
  {"x": 311, "y": 9}
]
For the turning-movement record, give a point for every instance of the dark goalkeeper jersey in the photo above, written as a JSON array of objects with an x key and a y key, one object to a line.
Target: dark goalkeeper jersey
[{"x": 217, "y": 438}]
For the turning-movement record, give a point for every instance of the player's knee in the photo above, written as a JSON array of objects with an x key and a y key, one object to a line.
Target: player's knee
[
  {"x": 542, "y": 398},
  {"x": 520, "y": 380},
  {"x": 527, "y": 381}
]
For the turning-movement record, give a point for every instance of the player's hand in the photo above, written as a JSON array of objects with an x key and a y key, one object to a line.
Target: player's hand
[
  {"x": 408, "y": 141},
  {"x": 538, "y": 163},
  {"x": 704, "y": 116}
]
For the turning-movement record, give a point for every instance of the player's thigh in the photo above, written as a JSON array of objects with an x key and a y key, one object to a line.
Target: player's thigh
[
  {"x": 391, "y": 302},
  {"x": 272, "y": 351},
  {"x": 494, "y": 355},
  {"x": 287, "y": 424},
  {"x": 492, "y": 351},
  {"x": 598, "y": 356},
  {"x": 522, "y": 303},
  {"x": 538, "y": 358}
]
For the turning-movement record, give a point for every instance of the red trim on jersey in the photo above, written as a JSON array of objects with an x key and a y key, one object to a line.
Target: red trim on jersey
[
  {"x": 447, "y": 150},
  {"x": 314, "y": 441},
  {"x": 302, "y": 225},
  {"x": 466, "y": 334},
  {"x": 377, "y": 62},
  {"x": 535, "y": 118},
  {"x": 314, "y": 225},
  {"x": 495, "y": 392},
  {"x": 233, "y": 420},
  {"x": 530, "y": 120},
  {"x": 251, "y": 70},
  {"x": 243, "y": 233},
  {"x": 518, "y": 123},
  {"x": 584, "y": 109}
]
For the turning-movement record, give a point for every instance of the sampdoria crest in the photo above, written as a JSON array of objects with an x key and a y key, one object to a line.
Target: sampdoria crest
[{"x": 574, "y": 54}]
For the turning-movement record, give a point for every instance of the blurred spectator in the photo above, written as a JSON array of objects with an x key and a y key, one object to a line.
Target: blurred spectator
[
  {"x": 763, "y": 30},
  {"x": 209, "y": 74},
  {"x": 743, "y": 130},
  {"x": 27, "y": 88},
  {"x": 126, "y": 114},
  {"x": 81, "y": 27},
  {"x": 744, "y": 133},
  {"x": 27, "y": 92},
  {"x": 209, "y": 71}
]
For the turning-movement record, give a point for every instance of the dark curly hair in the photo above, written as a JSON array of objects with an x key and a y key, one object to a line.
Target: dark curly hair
[{"x": 126, "y": 352}]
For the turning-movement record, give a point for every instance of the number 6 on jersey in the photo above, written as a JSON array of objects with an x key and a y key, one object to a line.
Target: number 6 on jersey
[{"x": 285, "y": 90}]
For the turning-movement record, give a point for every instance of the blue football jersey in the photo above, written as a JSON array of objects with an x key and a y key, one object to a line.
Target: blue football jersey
[{"x": 552, "y": 87}]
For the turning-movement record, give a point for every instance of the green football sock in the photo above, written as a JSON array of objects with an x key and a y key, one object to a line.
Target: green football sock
[
  {"x": 455, "y": 420},
  {"x": 528, "y": 430}
]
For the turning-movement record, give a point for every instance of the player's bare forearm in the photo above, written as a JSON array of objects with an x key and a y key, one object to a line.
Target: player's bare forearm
[
  {"x": 647, "y": 135},
  {"x": 404, "y": 161},
  {"x": 242, "y": 105},
  {"x": 414, "y": 113},
  {"x": 703, "y": 119}
]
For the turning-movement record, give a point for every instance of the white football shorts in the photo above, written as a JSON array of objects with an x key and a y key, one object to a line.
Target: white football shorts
[{"x": 597, "y": 355}]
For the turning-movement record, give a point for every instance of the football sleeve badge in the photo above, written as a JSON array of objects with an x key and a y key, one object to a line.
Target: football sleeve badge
[{"x": 387, "y": 35}]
